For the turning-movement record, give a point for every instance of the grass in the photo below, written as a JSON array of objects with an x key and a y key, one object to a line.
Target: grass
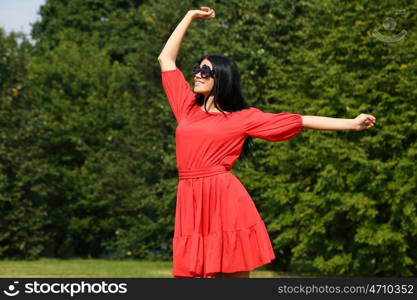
[{"x": 96, "y": 268}]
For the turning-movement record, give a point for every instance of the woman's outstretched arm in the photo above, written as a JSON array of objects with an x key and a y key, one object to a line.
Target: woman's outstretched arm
[
  {"x": 361, "y": 122},
  {"x": 169, "y": 53}
]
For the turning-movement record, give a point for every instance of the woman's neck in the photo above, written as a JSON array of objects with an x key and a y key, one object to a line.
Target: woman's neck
[{"x": 210, "y": 105}]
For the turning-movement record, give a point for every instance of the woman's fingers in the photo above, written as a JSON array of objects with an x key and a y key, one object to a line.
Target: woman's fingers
[
  {"x": 365, "y": 121},
  {"x": 370, "y": 121},
  {"x": 207, "y": 9},
  {"x": 205, "y": 13}
]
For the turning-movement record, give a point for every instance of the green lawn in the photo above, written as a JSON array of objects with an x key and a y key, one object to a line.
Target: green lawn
[{"x": 67, "y": 268}]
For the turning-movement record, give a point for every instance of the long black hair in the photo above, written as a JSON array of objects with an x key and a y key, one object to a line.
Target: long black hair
[{"x": 227, "y": 92}]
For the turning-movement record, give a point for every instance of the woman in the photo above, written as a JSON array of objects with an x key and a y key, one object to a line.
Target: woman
[{"x": 218, "y": 230}]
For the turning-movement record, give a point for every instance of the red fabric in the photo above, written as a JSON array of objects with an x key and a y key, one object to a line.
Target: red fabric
[{"x": 217, "y": 226}]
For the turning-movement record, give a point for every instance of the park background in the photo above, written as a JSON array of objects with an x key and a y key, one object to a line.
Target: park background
[{"x": 87, "y": 137}]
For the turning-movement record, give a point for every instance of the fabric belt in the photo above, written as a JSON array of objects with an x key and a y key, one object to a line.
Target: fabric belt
[{"x": 202, "y": 172}]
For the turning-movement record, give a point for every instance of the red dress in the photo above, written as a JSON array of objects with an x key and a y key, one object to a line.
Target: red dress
[{"x": 217, "y": 226}]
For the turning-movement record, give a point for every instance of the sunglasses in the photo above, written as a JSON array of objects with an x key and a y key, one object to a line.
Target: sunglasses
[{"x": 204, "y": 71}]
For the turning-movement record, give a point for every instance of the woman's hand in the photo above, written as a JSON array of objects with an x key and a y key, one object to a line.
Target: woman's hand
[
  {"x": 205, "y": 13},
  {"x": 363, "y": 121}
]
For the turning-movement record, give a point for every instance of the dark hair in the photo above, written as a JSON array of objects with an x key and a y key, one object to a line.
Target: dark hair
[{"x": 227, "y": 92}]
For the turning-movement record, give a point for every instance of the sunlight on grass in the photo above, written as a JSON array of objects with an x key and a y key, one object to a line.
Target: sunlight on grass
[{"x": 85, "y": 268}]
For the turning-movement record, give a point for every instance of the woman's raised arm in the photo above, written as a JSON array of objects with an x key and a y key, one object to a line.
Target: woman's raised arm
[{"x": 169, "y": 53}]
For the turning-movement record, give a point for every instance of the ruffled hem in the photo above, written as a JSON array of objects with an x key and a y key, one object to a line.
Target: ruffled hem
[{"x": 202, "y": 256}]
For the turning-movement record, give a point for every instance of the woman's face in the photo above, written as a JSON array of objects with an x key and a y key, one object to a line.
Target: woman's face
[{"x": 203, "y": 85}]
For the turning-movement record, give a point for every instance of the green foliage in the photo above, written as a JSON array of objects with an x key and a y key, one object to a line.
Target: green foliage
[
  {"x": 335, "y": 200},
  {"x": 87, "y": 142},
  {"x": 23, "y": 215}
]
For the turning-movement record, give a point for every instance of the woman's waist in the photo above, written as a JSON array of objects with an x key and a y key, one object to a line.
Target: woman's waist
[{"x": 186, "y": 173}]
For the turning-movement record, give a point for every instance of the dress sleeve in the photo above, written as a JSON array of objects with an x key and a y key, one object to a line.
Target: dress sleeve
[
  {"x": 273, "y": 127},
  {"x": 178, "y": 92}
]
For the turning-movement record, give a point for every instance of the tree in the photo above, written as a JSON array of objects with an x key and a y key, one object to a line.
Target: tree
[{"x": 23, "y": 215}]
